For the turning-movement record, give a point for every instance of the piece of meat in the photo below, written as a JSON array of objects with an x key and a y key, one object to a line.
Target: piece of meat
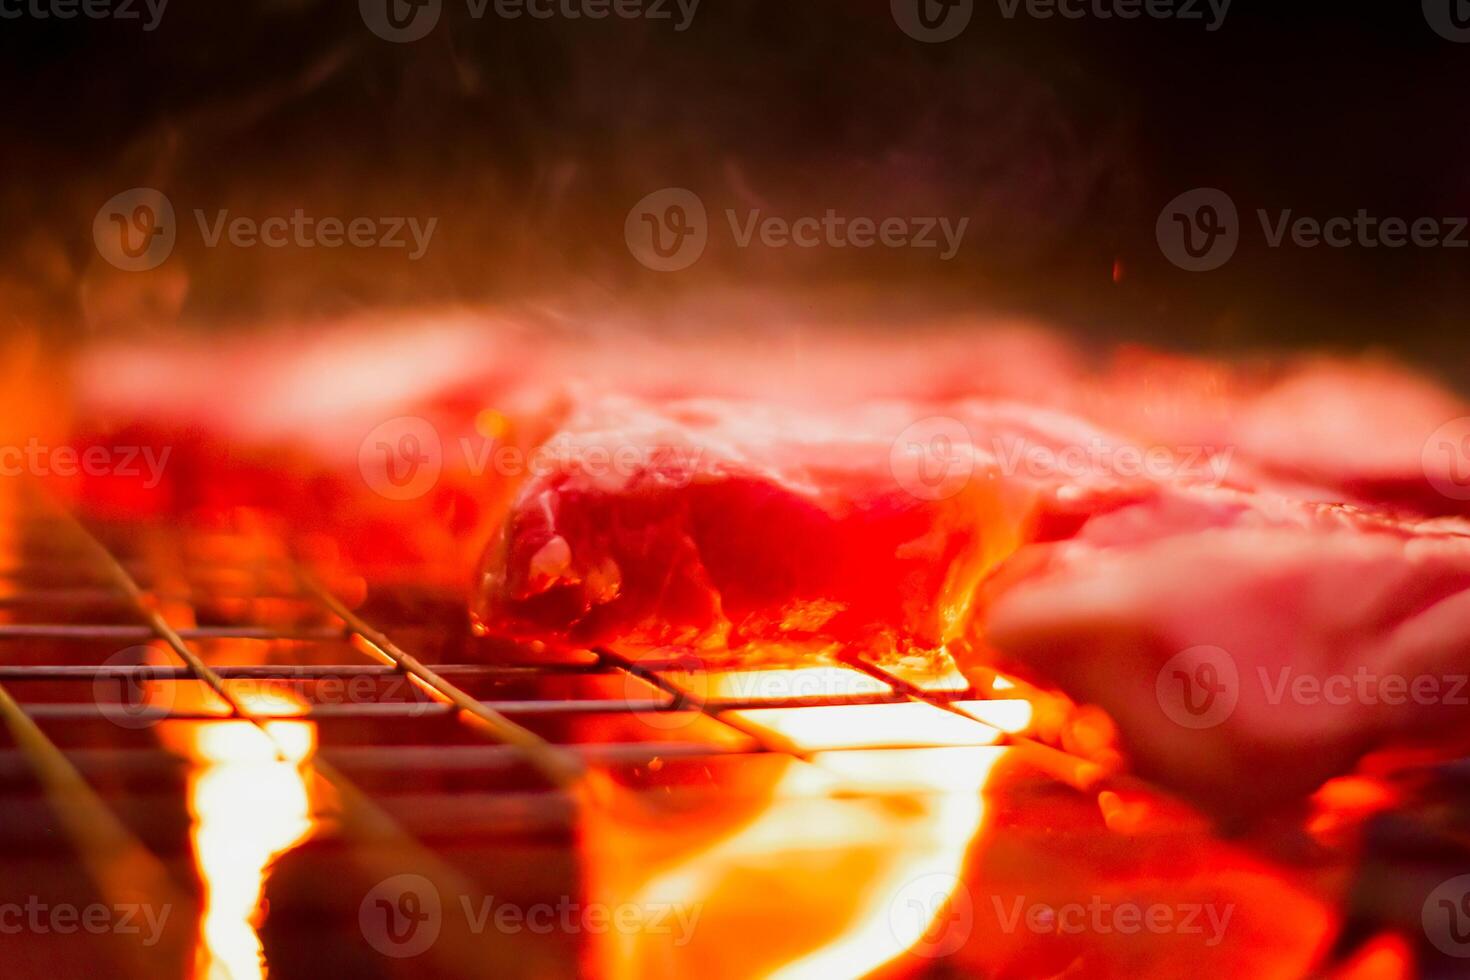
[
  {"x": 314, "y": 422},
  {"x": 1332, "y": 429},
  {"x": 728, "y": 524},
  {"x": 1248, "y": 647}
]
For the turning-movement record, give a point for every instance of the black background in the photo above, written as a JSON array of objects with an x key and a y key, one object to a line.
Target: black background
[{"x": 530, "y": 140}]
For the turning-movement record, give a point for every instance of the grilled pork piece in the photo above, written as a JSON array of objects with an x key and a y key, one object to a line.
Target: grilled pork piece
[
  {"x": 716, "y": 524},
  {"x": 1247, "y": 646},
  {"x": 375, "y": 431},
  {"x": 1337, "y": 430}
]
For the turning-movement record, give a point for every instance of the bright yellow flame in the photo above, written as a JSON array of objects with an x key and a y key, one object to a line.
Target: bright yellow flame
[
  {"x": 816, "y": 884},
  {"x": 1009, "y": 715},
  {"x": 953, "y": 811},
  {"x": 908, "y": 724},
  {"x": 801, "y": 682},
  {"x": 836, "y": 864},
  {"x": 250, "y": 803}
]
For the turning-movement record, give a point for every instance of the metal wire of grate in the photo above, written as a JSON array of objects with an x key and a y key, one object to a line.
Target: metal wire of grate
[
  {"x": 332, "y": 622},
  {"x": 71, "y": 592},
  {"x": 119, "y": 605},
  {"x": 452, "y": 746}
]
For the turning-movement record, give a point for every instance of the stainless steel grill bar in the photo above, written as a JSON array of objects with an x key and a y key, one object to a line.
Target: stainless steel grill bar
[
  {"x": 361, "y": 819},
  {"x": 84, "y": 711},
  {"x": 304, "y": 672},
  {"x": 110, "y": 631},
  {"x": 563, "y": 764},
  {"x": 386, "y": 758},
  {"x": 561, "y": 768},
  {"x": 1079, "y": 772}
]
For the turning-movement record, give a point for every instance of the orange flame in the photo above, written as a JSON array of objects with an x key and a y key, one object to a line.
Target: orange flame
[
  {"x": 819, "y": 882},
  {"x": 250, "y": 802}
]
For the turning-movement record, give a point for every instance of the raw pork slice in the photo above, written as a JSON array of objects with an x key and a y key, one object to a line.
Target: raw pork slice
[{"x": 1248, "y": 647}]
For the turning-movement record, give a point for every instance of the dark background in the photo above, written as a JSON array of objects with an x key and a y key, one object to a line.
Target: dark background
[{"x": 530, "y": 140}]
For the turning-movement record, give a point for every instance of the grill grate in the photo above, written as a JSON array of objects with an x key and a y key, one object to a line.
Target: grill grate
[
  {"x": 493, "y": 723},
  {"x": 442, "y": 681},
  {"x": 445, "y": 735},
  {"x": 72, "y": 595}
]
